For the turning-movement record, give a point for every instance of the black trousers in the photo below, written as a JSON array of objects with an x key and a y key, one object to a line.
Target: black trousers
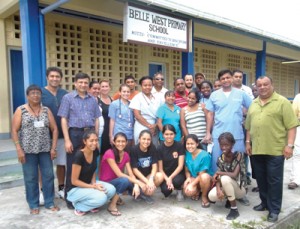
[
  {"x": 269, "y": 176},
  {"x": 177, "y": 182},
  {"x": 76, "y": 139}
]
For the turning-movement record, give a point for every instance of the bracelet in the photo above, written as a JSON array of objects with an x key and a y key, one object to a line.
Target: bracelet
[
  {"x": 248, "y": 141},
  {"x": 54, "y": 149},
  {"x": 17, "y": 142},
  {"x": 151, "y": 177}
]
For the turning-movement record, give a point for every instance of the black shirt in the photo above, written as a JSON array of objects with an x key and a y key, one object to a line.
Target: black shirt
[
  {"x": 169, "y": 155},
  {"x": 143, "y": 160},
  {"x": 87, "y": 169}
]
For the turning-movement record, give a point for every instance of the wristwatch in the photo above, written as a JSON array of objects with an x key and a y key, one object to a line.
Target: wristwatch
[{"x": 291, "y": 146}]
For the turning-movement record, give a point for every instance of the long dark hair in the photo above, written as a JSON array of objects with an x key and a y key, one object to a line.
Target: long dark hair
[
  {"x": 146, "y": 132},
  {"x": 114, "y": 148},
  {"x": 86, "y": 135},
  {"x": 194, "y": 138}
]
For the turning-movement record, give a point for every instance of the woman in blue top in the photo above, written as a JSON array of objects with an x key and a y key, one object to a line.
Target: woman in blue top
[
  {"x": 197, "y": 171},
  {"x": 169, "y": 113},
  {"x": 121, "y": 116}
]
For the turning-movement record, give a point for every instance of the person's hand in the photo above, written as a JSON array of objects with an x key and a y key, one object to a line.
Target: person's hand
[
  {"x": 169, "y": 183},
  {"x": 207, "y": 139},
  {"x": 111, "y": 140},
  {"x": 136, "y": 191},
  {"x": 287, "y": 152},
  {"x": 99, "y": 187},
  {"x": 187, "y": 181},
  {"x": 53, "y": 154},
  {"x": 220, "y": 194},
  {"x": 150, "y": 185},
  {"x": 21, "y": 155},
  {"x": 248, "y": 149},
  {"x": 152, "y": 129},
  {"x": 190, "y": 189},
  {"x": 68, "y": 146}
]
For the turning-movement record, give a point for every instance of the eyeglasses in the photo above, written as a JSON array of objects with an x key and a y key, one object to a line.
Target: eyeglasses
[
  {"x": 37, "y": 93},
  {"x": 162, "y": 79}
]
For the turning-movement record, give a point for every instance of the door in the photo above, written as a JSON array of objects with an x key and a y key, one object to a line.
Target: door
[
  {"x": 154, "y": 68},
  {"x": 17, "y": 78}
]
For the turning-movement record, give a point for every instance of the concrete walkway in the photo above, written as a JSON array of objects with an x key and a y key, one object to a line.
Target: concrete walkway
[{"x": 14, "y": 213}]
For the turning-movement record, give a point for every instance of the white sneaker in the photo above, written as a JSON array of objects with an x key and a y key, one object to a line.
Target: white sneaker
[
  {"x": 179, "y": 196},
  {"x": 42, "y": 202},
  {"x": 61, "y": 194}
]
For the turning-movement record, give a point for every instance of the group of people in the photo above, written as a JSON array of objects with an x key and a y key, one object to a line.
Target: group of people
[{"x": 194, "y": 140}]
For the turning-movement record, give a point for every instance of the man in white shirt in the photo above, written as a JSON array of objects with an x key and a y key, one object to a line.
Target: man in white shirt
[
  {"x": 158, "y": 89},
  {"x": 237, "y": 82}
]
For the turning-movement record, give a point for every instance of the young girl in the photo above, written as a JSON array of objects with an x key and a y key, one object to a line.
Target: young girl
[
  {"x": 229, "y": 169},
  {"x": 86, "y": 194},
  {"x": 144, "y": 165},
  {"x": 171, "y": 162},
  {"x": 113, "y": 163},
  {"x": 121, "y": 117},
  {"x": 197, "y": 170}
]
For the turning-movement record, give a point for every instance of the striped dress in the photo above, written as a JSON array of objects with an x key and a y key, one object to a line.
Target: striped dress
[{"x": 195, "y": 122}]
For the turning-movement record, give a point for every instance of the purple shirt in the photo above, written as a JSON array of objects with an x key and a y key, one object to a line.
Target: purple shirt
[
  {"x": 80, "y": 112},
  {"x": 106, "y": 172}
]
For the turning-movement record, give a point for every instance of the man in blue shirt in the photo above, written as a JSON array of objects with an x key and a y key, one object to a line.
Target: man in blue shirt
[
  {"x": 51, "y": 97},
  {"x": 79, "y": 111},
  {"x": 225, "y": 114}
]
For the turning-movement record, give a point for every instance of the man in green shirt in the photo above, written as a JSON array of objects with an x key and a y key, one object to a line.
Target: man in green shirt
[{"x": 271, "y": 128}]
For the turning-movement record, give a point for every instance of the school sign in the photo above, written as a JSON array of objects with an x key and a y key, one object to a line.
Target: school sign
[{"x": 148, "y": 27}]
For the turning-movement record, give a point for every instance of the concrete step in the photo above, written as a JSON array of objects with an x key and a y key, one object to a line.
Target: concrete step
[
  {"x": 11, "y": 180},
  {"x": 9, "y": 166}
]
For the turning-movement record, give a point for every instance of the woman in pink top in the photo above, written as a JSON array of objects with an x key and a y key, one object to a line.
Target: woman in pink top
[{"x": 112, "y": 167}]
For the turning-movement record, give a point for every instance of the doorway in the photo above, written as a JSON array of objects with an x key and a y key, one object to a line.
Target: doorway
[{"x": 17, "y": 78}]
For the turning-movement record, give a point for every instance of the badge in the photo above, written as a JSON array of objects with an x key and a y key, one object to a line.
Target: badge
[
  {"x": 175, "y": 154},
  {"x": 38, "y": 124}
]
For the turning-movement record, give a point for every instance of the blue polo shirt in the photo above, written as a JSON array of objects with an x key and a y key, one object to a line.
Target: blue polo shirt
[
  {"x": 53, "y": 103},
  {"x": 170, "y": 117},
  {"x": 228, "y": 112}
]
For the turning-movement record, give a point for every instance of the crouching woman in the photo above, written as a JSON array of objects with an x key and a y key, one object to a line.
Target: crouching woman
[
  {"x": 230, "y": 168},
  {"x": 86, "y": 194},
  {"x": 197, "y": 171}
]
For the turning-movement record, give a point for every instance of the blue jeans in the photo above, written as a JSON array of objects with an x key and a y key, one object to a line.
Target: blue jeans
[
  {"x": 86, "y": 199},
  {"x": 122, "y": 184},
  {"x": 269, "y": 176},
  {"x": 33, "y": 162}
]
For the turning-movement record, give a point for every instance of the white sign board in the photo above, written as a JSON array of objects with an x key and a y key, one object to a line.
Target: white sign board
[{"x": 145, "y": 26}]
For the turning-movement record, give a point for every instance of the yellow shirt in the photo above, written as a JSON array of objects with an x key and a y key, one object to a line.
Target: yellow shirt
[{"x": 269, "y": 124}]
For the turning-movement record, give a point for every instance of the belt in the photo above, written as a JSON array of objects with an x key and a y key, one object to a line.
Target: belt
[{"x": 82, "y": 129}]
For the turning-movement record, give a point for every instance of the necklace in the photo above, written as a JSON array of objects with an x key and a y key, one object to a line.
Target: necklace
[{"x": 36, "y": 115}]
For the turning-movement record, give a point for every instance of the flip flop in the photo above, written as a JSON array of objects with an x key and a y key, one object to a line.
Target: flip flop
[
  {"x": 34, "y": 211},
  {"x": 54, "y": 209},
  {"x": 205, "y": 205},
  {"x": 195, "y": 198},
  {"x": 114, "y": 212}
]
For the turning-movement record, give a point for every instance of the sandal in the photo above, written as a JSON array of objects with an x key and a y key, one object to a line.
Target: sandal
[
  {"x": 196, "y": 197},
  {"x": 292, "y": 185},
  {"x": 114, "y": 212},
  {"x": 205, "y": 205},
  {"x": 120, "y": 202},
  {"x": 54, "y": 209},
  {"x": 34, "y": 211}
]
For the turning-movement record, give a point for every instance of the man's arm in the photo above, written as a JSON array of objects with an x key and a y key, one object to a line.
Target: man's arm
[{"x": 65, "y": 130}]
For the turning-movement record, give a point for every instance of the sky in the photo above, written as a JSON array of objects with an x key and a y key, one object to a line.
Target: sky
[{"x": 278, "y": 17}]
